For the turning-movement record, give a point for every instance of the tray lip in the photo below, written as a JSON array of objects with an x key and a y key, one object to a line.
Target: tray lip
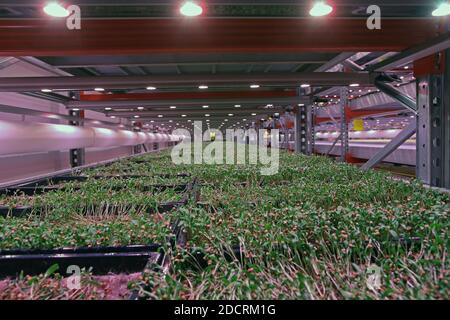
[
  {"x": 151, "y": 247},
  {"x": 69, "y": 171},
  {"x": 187, "y": 192}
]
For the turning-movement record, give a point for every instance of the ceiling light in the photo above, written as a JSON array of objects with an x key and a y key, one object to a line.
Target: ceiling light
[
  {"x": 108, "y": 108},
  {"x": 99, "y": 89},
  {"x": 113, "y": 117},
  {"x": 191, "y": 9},
  {"x": 207, "y": 115},
  {"x": 152, "y": 121},
  {"x": 237, "y": 105},
  {"x": 269, "y": 105},
  {"x": 183, "y": 115},
  {"x": 230, "y": 114},
  {"x": 46, "y": 90},
  {"x": 244, "y": 119},
  {"x": 354, "y": 84},
  {"x": 405, "y": 67},
  {"x": 225, "y": 120},
  {"x": 305, "y": 85},
  {"x": 54, "y": 9},
  {"x": 136, "y": 116},
  {"x": 202, "y": 87},
  {"x": 253, "y": 114},
  {"x": 254, "y": 86},
  {"x": 301, "y": 104},
  {"x": 160, "y": 115},
  {"x": 205, "y": 107},
  {"x": 442, "y": 10},
  {"x": 320, "y": 9},
  {"x": 75, "y": 109},
  {"x": 172, "y": 107},
  {"x": 140, "y": 108},
  {"x": 151, "y": 88}
]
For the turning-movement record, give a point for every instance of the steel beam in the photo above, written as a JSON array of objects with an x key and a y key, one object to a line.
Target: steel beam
[
  {"x": 404, "y": 135},
  {"x": 198, "y": 111},
  {"x": 6, "y": 62},
  {"x": 333, "y": 144},
  {"x": 426, "y": 49},
  {"x": 187, "y": 60},
  {"x": 100, "y": 105},
  {"x": 352, "y": 66},
  {"x": 133, "y": 82},
  {"x": 183, "y": 95},
  {"x": 23, "y": 37},
  {"x": 43, "y": 65},
  {"x": 382, "y": 100},
  {"x": 335, "y": 61},
  {"x": 404, "y": 99}
]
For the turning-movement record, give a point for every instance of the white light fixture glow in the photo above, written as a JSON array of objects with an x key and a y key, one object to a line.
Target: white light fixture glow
[
  {"x": 99, "y": 89},
  {"x": 191, "y": 9},
  {"x": 136, "y": 116},
  {"x": 46, "y": 90},
  {"x": 230, "y": 114},
  {"x": 442, "y": 10},
  {"x": 160, "y": 115},
  {"x": 305, "y": 85},
  {"x": 254, "y": 86},
  {"x": 151, "y": 88},
  {"x": 56, "y": 10},
  {"x": 140, "y": 108},
  {"x": 172, "y": 107},
  {"x": 108, "y": 108},
  {"x": 205, "y": 107},
  {"x": 183, "y": 115},
  {"x": 203, "y": 87},
  {"x": 320, "y": 9},
  {"x": 354, "y": 84}
]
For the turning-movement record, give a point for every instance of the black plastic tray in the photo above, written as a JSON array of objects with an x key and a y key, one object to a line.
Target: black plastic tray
[
  {"x": 37, "y": 190},
  {"x": 68, "y": 178},
  {"x": 102, "y": 260},
  {"x": 191, "y": 191}
]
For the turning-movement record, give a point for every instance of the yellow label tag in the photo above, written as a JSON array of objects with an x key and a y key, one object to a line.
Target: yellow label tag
[{"x": 358, "y": 125}]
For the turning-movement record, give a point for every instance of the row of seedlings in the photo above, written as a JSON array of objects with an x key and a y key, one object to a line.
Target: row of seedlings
[
  {"x": 108, "y": 228},
  {"x": 317, "y": 229}
]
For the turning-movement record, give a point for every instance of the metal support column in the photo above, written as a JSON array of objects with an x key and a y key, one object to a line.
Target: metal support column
[
  {"x": 301, "y": 142},
  {"x": 77, "y": 156},
  {"x": 446, "y": 119},
  {"x": 433, "y": 126},
  {"x": 344, "y": 124},
  {"x": 311, "y": 133},
  {"x": 137, "y": 148}
]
